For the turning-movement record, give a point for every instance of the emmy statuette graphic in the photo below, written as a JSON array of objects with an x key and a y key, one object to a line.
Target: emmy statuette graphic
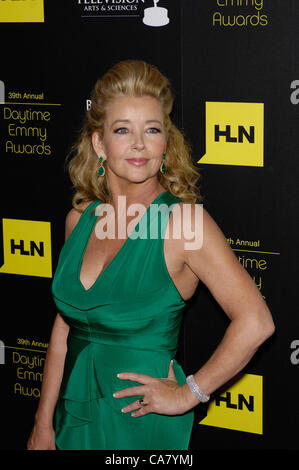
[{"x": 156, "y": 16}]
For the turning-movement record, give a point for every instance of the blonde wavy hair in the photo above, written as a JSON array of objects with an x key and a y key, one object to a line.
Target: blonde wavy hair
[{"x": 131, "y": 78}]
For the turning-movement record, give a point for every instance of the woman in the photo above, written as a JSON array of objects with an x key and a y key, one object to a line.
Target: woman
[{"x": 110, "y": 377}]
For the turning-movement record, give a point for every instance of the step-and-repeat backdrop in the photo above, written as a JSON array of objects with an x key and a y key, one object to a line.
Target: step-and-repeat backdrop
[{"x": 234, "y": 68}]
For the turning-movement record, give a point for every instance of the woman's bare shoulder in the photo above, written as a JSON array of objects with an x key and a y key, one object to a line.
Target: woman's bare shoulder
[{"x": 73, "y": 217}]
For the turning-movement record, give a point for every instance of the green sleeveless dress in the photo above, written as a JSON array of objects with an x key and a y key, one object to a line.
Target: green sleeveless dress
[{"x": 127, "y": 321}]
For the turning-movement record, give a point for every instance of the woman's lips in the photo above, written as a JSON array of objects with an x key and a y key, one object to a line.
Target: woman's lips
[{"x": 137, "y": 161}]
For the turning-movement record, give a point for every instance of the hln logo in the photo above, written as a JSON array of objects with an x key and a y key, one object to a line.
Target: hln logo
[
  {"x": 240, "y": 407},
  {"x": 27, "y": 11},
  {"x": 241, "y": 133},
  {"x": 34, "y": 248},
  {"x": 241, "y": 401},
  {"x": 234, "y": 134},
  {"x": 27, "y": 248}
]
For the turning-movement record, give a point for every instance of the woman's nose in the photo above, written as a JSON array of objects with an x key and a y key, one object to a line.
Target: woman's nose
[{"x": 138, "y": 142}]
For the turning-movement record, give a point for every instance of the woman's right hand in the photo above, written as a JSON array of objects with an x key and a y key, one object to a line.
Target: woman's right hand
[{"x": 41, "y": 438}]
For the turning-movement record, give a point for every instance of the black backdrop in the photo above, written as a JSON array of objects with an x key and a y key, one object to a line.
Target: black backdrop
[{"x": 217, "y": 52}]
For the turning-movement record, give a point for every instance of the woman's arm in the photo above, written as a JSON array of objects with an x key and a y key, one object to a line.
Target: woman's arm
[
  {"x": 53, "y": 371},
  {"x": 236, "y": 292},
  {"x": 251, "y": 324},
  {"x": 42, "y": 435}
]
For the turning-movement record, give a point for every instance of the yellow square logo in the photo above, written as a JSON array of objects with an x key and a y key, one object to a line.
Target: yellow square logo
[
  {"x": 21, "y": 11},
  {"x": 239, "y": 407},
  {"x": 27, "y": 248},
  {"x": 234, "y": 134}
]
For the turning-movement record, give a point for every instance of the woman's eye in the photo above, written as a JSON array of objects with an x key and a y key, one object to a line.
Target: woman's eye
[
  {"x": 121, "y": 130},
  {"x": 153, "y": 130}
]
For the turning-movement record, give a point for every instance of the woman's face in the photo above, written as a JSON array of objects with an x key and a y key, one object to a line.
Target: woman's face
[{"x": 134, "y": 138}]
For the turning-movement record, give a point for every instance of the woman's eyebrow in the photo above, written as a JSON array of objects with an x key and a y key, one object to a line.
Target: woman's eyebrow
[
  {"x": 128, "y": 121},
  {"x": 153, "y": 120},
  {"x": 120, "y": 120}
]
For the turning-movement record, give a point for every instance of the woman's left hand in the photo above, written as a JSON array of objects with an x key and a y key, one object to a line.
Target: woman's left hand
[{"x": 162, "y": 396}]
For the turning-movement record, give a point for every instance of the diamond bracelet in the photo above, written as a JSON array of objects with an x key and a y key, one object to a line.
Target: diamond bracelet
[{"x": 196, "y": 390}]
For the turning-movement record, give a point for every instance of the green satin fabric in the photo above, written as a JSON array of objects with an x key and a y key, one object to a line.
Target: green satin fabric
[{"x": 128, "y": 321}]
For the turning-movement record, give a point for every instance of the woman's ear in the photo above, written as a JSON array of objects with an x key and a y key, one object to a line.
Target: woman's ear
[{"x": 97, "y": 143}]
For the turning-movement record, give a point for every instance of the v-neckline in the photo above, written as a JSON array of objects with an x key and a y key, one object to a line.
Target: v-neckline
[{"x": 120, "y": 251}]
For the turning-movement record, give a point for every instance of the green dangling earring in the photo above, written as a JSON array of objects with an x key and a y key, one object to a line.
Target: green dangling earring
[
  {"x": 101, "y": 170},
  {"x": 163, "y": 167}
]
